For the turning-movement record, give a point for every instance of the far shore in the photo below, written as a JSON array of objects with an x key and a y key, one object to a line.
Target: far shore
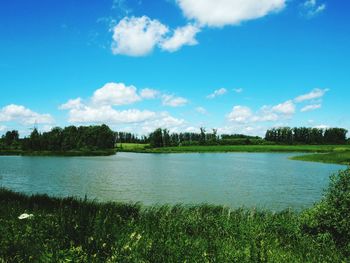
[{"x": 338, "y": 154}]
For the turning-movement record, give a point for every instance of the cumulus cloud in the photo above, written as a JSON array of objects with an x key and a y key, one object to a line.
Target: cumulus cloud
[
  {"x": 23, "y": 115},
  {"x": 239, "y": 90},
  {"x": 139, "y": 36},
  {"x": 71, "y": 104},
  {"x": 312, "y": 8},
  {"x": 311, "y": 107},
  {"x": 106, "y": 114},
  {"x": 163, "y": 120},
  {"x": 244, "y": 114},
  {"x": 201, "y": 110},
  {"x": 149, "y": 93},
  {"x": 182, "y": 36},
  {"x": 228, "y": 12},
  {"x": 314, "y": 94},
  {"x": 240, "y": 114},
  {"x": 217, "y": 93},
  {"x": 286, "y": 108},
  {"x": 102, "y": 108},
  {"x": 116, "y": 94},
  {"x": 173, "y": 101}
]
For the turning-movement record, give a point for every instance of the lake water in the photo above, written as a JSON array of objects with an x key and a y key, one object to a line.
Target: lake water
[{"x": 267, "y": 180}]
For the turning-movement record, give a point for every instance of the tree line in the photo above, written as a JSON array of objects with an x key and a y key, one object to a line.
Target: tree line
[
  {"x": 303, "y": 135},
  {"x": 163, "y": 138},
  {"x": 87, "y": 138}
]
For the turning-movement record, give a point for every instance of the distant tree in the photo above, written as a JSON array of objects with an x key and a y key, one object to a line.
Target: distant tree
[
  {"x": 156, "y": 138},
  {"x": 202, "y": 139}
]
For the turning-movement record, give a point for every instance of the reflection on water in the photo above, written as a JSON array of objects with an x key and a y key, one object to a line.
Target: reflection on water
[{"x": 267, "y": 180}]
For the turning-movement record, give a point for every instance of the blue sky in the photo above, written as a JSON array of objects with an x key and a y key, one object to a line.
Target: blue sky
[{"x": 140, "y": 64}]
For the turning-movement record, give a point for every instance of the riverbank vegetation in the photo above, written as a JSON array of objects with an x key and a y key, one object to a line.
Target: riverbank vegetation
[
  {"x": 45, "y": 229},
  {"x": 101, "y": 140},
  {"x": 338, "y": 156},
  {"x": 69, "y": 141}
]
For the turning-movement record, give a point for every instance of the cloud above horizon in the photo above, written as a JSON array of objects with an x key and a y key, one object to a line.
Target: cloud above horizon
[
  {"x": 23, "y": 115},
  {"x": 221, "y": 13},
  {"x": 217, "y": 93},
  {"x": 311, "y": 8},
  {"x": 102, "y": 107},
  {"x": 282, "y": 111},
  {"x": 139, "y": 36}
]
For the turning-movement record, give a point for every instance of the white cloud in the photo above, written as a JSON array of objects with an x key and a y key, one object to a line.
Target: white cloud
[
  {"x": 23, "y": 115},
  {"x": 239, "y": 90},
  {"x": 314, "y": 94},
  {"x": 163, "y": 120},
  {"x": 172, "y": 101},
  {"x": 201, "y": 110},
  {"x": 2, "y": 128},
  {"x": 243, "y": 114},
  {"x": 137, "y": 36},
  {"x": 100, "y": 108},
  {"x": 217, "y": 93},
  {"x": 312, "y": 8},
  {"x": 106, "y": 114},
  {"x": 286, "y": 108},
  {"x": 115, "y": 94},
  {"x": 71, "y": 104},
  {"x": 240, "y": 114},
  {"x": 228, "y": 12},
  {"x": 311, "y": 107},
  {"x": 149, "y": 93},
  {"x": 322, "y": 126},
  {"x": 182, "y": 36}
]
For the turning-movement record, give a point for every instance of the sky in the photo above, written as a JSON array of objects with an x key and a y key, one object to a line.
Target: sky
[{"x": 136, "y": 65}]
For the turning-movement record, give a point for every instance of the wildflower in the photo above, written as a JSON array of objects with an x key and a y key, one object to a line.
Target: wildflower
[{"x": 25, "y": 216}]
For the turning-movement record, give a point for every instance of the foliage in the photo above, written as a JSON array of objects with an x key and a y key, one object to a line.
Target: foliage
[
  {"x": 304, "y": 135},
  {"x": 336, "y": 156},
  {"x": 72, "y": 230},
  {"x": 68, "y": 140},
  {"x": 331, "y": 217}
]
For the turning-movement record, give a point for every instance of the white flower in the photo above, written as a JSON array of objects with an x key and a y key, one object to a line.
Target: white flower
[{"x": 25, "y": 216}]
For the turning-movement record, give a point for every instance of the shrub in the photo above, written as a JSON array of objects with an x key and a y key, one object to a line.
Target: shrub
[{"x": 332, "y": 215}]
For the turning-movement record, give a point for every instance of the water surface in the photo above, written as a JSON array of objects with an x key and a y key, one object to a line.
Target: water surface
[{"x": 268, "y": 180}]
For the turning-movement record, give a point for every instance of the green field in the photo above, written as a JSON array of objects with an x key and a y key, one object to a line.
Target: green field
[
  {"x": 333, "y": 157},
  {"x": 72, "y": 230},
  {"x": 329, "y": 153}
]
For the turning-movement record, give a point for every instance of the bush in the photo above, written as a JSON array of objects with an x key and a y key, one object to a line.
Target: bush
[{"x": 332, "y": 215}]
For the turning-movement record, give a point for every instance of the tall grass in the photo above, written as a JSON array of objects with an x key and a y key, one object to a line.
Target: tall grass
[{"x": 74, "y": 230}]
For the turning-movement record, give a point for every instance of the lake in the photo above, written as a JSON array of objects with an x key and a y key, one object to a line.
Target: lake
[{"x": 265, "y": 180}]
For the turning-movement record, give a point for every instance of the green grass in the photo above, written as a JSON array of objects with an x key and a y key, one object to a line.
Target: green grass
[
  {"x": 131, "y": 147},
  {"x": 74, "y": 230},
  {"x": 333, "y": 157},
  {"x": 236, "y": 148},
  {"x": 339, "y": 154}
]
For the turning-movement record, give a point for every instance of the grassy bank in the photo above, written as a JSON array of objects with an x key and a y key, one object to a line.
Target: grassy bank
[
  {"x": 60, "y": 153},
  {"x": 339, "y": 154},
  {"x": 144, "y": 148},
  {"x": 333, "y": 157},
  {"x": 70, "y": 230}
]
